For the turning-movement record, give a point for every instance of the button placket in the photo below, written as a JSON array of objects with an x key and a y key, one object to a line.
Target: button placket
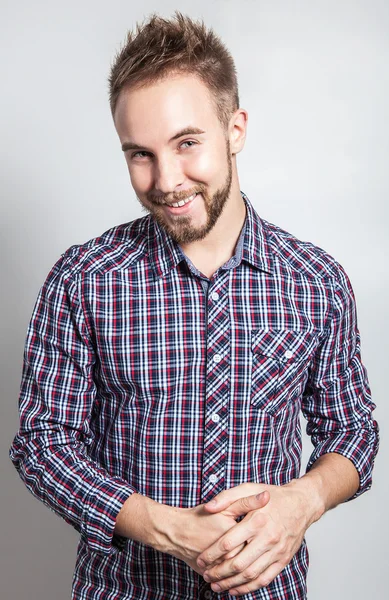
[{"x": 217, "y": 390}]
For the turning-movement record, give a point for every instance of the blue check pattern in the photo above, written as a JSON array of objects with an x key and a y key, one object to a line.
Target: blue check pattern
[{"x": 142, "y": 375}]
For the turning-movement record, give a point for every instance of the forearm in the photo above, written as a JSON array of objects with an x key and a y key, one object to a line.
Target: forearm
[
  {"x": 331, "y": 480},
  {"x": 72, "y": 485}
]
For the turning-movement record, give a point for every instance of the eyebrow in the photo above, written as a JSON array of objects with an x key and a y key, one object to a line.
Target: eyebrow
[{"x": 185, "y": 131}]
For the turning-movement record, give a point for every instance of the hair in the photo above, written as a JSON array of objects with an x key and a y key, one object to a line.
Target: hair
[{"x": 162, "y": 47}]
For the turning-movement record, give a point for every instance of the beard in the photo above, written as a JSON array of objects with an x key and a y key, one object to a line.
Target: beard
[{"x": 183, "y": 231}]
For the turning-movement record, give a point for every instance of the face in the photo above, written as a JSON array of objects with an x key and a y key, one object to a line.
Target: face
[{"x": 177, "y": 152}]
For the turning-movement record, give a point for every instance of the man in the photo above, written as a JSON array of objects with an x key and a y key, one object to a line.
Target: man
[{"x": 167, "y": 360}]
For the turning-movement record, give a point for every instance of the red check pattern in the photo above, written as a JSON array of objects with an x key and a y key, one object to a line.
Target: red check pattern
[{"x": 140, "y": 374}]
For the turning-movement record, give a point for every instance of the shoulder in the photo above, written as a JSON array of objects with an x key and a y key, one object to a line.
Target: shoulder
[
  {"x": 120, "y": 247},
  {"x": 301, "y": 257}
]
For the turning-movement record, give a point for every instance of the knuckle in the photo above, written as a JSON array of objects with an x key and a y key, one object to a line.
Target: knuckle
[
  {"x": 237, "y": 566},
  {"x": 242, "y": 590},
  {"x": 227, "y": 545},
  {"x": 264, "y": 581},
  {"x": 283, "y": 563},
  {"x": 250, "y": 574},
  {"x": 282, "y": 548},
  {"x": 258, "y": 519},
  {"x": 245, "y": 502},
  {"x": 274, "y": 538}
]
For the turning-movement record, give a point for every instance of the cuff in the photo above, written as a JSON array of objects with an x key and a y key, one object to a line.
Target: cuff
[
  {"x": 99, "y": 516},
  {"x": 361, "y": 448}
]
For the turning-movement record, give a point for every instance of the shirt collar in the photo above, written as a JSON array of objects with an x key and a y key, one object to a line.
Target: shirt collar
[
  {"x": 252, "y": 246},
  {"x": 256, "y": 248}
]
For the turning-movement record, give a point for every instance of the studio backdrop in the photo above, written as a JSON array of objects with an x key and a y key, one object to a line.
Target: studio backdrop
[{"x": 314, "y": 79}]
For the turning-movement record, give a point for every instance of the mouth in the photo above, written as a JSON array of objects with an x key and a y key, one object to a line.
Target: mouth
[{"x": 182, "y": 206}]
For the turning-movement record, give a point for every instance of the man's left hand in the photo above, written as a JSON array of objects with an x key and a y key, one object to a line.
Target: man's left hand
[{"x": 272, "y": 535}]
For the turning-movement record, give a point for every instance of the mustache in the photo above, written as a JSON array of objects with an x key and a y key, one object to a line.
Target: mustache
[{"x": 173, "y": 198}]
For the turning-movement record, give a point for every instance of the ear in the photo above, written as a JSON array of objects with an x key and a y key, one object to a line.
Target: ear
[{"x": 237, "y": 130}]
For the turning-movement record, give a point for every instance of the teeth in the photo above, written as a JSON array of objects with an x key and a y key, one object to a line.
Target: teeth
[{"x": 182, "y": 202}]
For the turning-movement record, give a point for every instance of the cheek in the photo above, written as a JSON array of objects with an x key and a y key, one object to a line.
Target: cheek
[
  {"x": 204, "y": 167},
  {"x": 141, "y": 179}
]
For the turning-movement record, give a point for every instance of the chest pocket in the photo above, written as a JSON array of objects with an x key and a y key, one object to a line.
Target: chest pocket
[{"x": 280, "y": 361}]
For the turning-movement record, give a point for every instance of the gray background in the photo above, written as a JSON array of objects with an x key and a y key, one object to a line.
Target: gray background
[{"x": 314, "y": 79}]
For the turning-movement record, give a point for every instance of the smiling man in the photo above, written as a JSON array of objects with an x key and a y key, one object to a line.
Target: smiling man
[
  {"x": 183, "y": 175},
  {"x": 168, "y": 360}
]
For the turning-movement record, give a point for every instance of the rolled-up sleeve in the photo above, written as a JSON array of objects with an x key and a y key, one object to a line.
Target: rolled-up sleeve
[
  {"x": 337, "y": 398},
  {"x": 50, "y": 450}
]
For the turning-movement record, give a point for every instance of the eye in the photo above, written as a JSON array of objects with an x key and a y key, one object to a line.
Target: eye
[
  {"x": 139, "y": 153},
  {"x": 189, "y": 142}
]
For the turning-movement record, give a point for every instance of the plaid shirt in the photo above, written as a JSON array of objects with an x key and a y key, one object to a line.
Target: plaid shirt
[{"x": 141, "y": 374}]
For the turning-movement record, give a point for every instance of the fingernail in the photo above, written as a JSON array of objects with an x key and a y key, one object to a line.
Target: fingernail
[
  {"x": 201, "y": 563},
  {"x": 258, "y": 496},
  {"x": 216, "y": 587}
]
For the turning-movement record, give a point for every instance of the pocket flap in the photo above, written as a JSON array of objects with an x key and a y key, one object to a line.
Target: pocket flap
[{"x": 282, "y": 344}]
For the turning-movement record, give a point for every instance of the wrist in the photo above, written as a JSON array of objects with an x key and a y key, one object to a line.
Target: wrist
[
  {"x": 180, "y": 531},
  {"x": 310, "y": 489},
  {"x": 147, "y": 521},
  {"x": 167, "y": 526}
]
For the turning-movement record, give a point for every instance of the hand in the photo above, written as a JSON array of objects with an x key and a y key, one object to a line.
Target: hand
[
  {"x": 195, "y": 529},
  {"x": 271, "y": 535}
]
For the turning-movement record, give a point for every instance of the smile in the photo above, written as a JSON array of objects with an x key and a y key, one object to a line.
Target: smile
[{"x": 181, "y": 202}]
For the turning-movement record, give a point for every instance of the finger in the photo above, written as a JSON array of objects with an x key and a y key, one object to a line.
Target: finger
[
  {"x": 233, "y": 571},
  {"x": 232, "y": 553},
  {"x": 247, "y": 504},
  {"x": 227, "y": 497},
  {"x": 228, "y": 555},
  {"x": 262, "y": 581},
  {"x": 251, "y": 575},
  {"x": 235, "y": 537}
]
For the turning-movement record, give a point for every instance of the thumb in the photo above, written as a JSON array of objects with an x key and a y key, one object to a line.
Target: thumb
[
  {"x": 227, "y": 497},
  {"x": 247, "y": 504}
]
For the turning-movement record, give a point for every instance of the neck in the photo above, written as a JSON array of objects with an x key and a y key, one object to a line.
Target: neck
[{"x": 219, "y": 245}]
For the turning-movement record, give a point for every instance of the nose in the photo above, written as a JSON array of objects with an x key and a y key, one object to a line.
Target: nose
[{"x": 168, "y": 175}]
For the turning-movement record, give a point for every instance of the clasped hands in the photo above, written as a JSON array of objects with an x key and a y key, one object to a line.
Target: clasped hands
[{"x": 256, "y": 549}]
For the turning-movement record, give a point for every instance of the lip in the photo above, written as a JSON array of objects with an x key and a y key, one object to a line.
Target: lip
[{"x": 180, "y": 210}]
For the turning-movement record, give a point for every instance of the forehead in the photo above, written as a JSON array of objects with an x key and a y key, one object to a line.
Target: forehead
[{"x": 164, "y": 107}]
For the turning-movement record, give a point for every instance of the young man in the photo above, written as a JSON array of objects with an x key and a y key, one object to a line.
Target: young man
[{"x": 167, "y": 360}]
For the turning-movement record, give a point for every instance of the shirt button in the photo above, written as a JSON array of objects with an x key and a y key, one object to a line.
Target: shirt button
[
  {"x": 213, "y": 478},
  {"x": 215, "y": 296},
  {"x": 208, "y": 595},
  {"x": 288, "y": 354},
  {"x": 217, "y": 358},
  {"x": 215, "y": 418}
]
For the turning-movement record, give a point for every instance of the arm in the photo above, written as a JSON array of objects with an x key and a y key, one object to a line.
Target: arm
[
  {"x": 50, "y": 451},
  {"x": 337, "y": 399}
]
